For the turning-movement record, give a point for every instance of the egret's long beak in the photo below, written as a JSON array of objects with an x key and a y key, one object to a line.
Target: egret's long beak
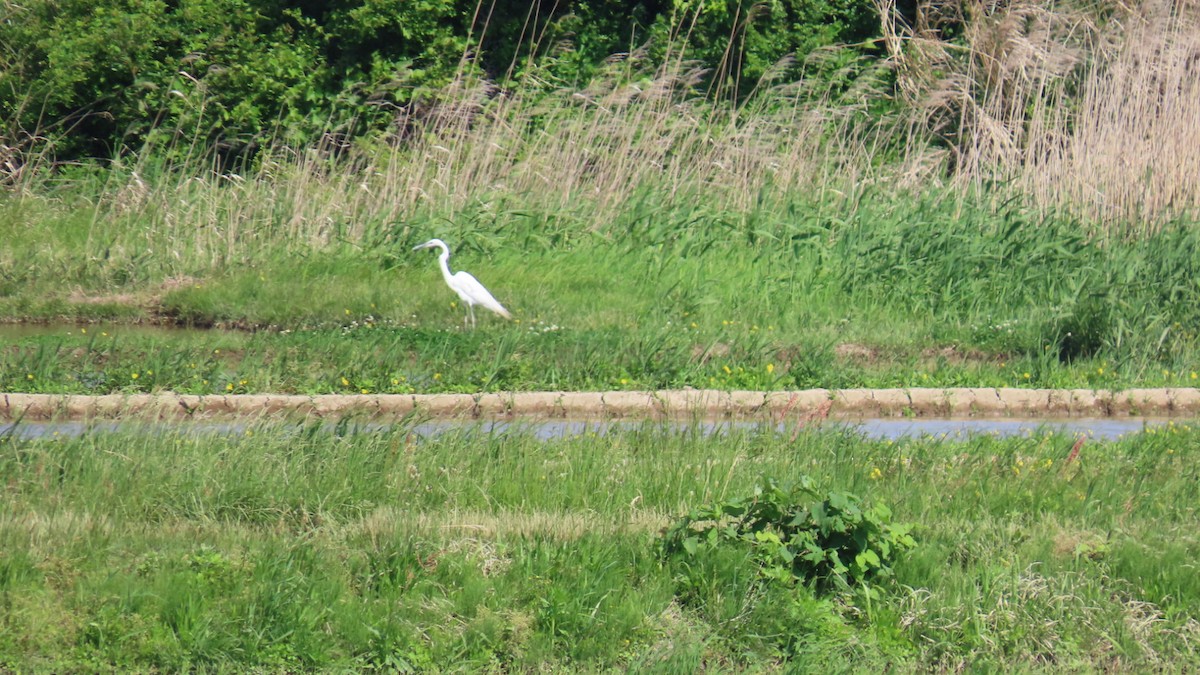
[{"x": 418, "y": 248}]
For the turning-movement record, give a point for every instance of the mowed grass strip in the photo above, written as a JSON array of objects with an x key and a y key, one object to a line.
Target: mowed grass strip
[{"x": 300, "y": 547}]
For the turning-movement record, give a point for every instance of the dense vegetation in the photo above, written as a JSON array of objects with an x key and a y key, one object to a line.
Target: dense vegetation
[
  {"x": 789, "y": 193},
  {"x": 99, "y": 79},
  {"x": 286, "y": 548},
  {"x": 898, "y": 294},
  {"x": 943, "y": 213}
]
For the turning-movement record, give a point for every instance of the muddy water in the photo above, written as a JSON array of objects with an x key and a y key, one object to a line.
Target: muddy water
[{"x": 890, "y": 429}]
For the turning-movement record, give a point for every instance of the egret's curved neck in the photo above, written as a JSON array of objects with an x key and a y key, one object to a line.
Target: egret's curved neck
[{"x": 444, "y": 261}]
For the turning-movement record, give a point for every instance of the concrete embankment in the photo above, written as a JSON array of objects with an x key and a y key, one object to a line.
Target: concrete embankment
[{"x": 779, "y": 405}]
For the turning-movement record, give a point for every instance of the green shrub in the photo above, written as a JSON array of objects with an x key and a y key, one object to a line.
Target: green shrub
[
  {"x": 100, "y": 79},
  {"x": 794, "y": 535},
  {"x": 742, "y": 41}
]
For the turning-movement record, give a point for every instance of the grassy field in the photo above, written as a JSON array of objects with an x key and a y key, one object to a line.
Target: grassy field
[
  {"x": 1019, "y": 209},
  {"x": 1013, "y": 203},
  {"x": 291, "y": 547},
  {"x": 885, "y": 291}
]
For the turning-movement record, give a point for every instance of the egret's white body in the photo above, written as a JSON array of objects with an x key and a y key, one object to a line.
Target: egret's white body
[{"x": 466, "y": 286}]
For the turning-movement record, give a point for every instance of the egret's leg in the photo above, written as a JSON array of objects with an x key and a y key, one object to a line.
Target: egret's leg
[{"x": 472, "y": 310}]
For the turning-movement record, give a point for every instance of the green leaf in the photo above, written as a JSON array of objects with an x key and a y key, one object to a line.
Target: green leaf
[
  {"x": 767, "y": 537},
  {"x": 690, "y": 545},
  {"x": 867, "y": 559}
]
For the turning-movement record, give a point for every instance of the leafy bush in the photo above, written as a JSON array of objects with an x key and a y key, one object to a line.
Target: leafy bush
[
  {"x": 743, "y": 40},
  {"x": 101, "y": 78},
  {"x": 794, "y": 535}
]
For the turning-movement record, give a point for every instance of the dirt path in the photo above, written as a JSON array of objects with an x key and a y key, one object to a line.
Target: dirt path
[{"x": 809, "y": 404}]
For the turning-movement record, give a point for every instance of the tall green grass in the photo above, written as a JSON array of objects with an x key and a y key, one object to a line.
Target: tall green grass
[
  {"x": 283, "y": 547},
  {"x": 881, "y": 292}
]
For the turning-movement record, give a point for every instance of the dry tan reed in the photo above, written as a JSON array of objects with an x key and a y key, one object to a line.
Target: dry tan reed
[
  {"x": 584, "y": 153},
  {"x": 1092, "y": 109},
  {"x": 1131, "y": 153},
  {"x": 602, "y": 144}
]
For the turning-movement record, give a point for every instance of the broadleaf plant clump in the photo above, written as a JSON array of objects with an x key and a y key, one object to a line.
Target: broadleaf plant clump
[{"x": 832, "y": 543}]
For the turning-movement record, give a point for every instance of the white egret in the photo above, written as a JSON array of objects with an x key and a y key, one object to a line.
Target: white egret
[{"x": 466, "y": 286}]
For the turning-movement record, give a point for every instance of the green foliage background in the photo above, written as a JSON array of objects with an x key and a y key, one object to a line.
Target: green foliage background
[{"x": 100, "y": 78}]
